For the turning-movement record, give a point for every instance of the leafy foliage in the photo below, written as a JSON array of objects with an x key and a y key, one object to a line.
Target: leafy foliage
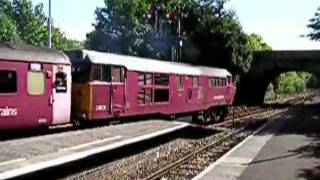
[
  {"x": 8, "y": 29},
  {"x": 315, "y": 26},
  {"x": 211, "y": 34},
  {"x": 256, "y": 43},
  {"x": 21, "y": 22},
  {"x": 293, "y": 82}
]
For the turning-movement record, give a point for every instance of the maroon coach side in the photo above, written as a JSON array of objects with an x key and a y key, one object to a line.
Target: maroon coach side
[
  {"x": 35, "y": 87},
  {"x": 108, "y": 86}
]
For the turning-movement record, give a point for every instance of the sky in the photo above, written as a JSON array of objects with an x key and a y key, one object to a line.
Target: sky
[{"x": 280, "y": 22}]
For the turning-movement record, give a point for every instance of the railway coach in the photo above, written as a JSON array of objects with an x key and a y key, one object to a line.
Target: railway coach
[
  {"x": 108, "y": 86},
  {"x": 35, "y": 87}
]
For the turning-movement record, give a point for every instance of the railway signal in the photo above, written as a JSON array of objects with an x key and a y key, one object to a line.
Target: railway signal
[{"x": 152, "y": 16}]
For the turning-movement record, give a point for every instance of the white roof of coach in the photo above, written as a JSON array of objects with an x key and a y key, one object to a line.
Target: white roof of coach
[
  {"x": 149, "y": 65},
  {"x": 27, "y": 53}
]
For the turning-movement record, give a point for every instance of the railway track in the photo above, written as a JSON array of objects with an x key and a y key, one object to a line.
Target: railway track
[
  {"x": 179, "y": 159},
  {"x": 196, "y": 161},
  {"x": 189, "y": 166},
  {"x": 239, "y": 116}
]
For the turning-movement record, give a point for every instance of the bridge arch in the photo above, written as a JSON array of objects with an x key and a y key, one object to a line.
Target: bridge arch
[{"x": 267, "y": 65}]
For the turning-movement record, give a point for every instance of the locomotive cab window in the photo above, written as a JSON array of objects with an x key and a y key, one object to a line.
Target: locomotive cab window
[
  {"x": 61, "y": 82},
  {"x": 36, "y": 83},
  {"x": 101, "y": 73},
  {"x": 8, "y": 82},
  {"x": 81, "y": 73}
]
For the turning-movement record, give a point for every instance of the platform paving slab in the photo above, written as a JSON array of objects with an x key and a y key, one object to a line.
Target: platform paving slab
[{"x": 22, "y": 156}]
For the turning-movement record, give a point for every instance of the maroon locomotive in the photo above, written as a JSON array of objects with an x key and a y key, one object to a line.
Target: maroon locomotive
[
  {"x": 36, "y": 90},
  {"x": 109, "y": 86}
]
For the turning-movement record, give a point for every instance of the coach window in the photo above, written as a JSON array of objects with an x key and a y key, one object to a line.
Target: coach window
[
  {"x": 61, "y": 82},
  {"x": 195, "y": 81},
  {"x": 144, "y": 79},
  {"x": 179, "y": 82},
  {"x": 148, "y": 96},
  {"x": 118, "y": 74},
  {"x": 101, "y": 73},
  {"x": 220, "y": 82},
  {"x": 141, "y": 78},
  {"x": 224, "y": 81},
  {"x": 216, "y": 82},
  {"x": 148, "y": 79},
  {"x": 229, "y": 80},
  {"x": 141, "y": 98},
  {"x": 161, "y": 79},
  {"x": 161, "y": 95},
  {"x": 210, "y": 82},
  {"x": 36, "y": 83},
  {"x": 8, "y": 82}
]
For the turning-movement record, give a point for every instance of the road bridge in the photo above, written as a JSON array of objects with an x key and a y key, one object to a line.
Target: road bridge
[{"x": 267, "y": 65}]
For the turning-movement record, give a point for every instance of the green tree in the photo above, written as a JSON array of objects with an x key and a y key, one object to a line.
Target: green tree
[
  {"x": 211, "y": 34},
  {"x": 21, "y": 22},
  {"x": 293, "y": 82},
  {"x": 314, "y": 25},
  {"x": 256, "y": 43},
  {"x": 31, "y": 22},
  {"x": 8, "y": 29}
]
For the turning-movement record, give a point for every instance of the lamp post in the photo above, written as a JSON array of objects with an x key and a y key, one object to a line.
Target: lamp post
[{"x": 49, "y": 26}]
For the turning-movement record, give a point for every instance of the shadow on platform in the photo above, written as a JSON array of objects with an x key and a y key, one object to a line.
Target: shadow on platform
[{"x": 305, "y": 121}]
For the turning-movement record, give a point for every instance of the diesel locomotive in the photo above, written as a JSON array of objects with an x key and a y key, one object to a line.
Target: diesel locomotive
[{"x": 42, "y": 87}]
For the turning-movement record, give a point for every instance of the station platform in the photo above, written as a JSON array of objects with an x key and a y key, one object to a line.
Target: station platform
[
  {"x": 286, "y": 148},
  {"x": 24, "y": 156}
]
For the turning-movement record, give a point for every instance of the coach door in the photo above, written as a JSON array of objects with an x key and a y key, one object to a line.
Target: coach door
[
  {"x": 35, "y": 105},
  {"x": 118, "y": 90},
  {"x": 61, "y": 95},
  {"x": 193, "y": 90}
]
